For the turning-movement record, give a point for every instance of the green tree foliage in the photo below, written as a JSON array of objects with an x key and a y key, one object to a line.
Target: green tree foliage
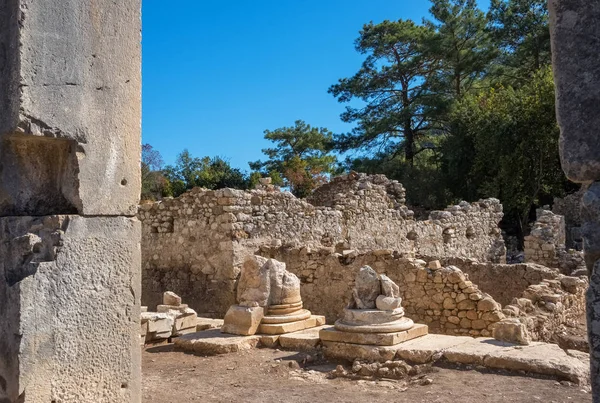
[
  {"x": 462, "y": 45},
  {"x": 154, "y": 183},
  {"x": 210, "y": 173},
  {"x": 300, "y": 156},
  {"x": 393, "y": 87},
  {"x": 468, "y": 97},
  {"x": 520, "y": 30},
  {"x": 504, "y": 144}
]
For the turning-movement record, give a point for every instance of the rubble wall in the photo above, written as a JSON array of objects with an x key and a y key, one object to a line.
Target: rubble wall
[
  {"x": 195, "y": 244},
  {"x": 448, "y": 300},
  {"x": 546, "y": 244},
  {"x": 503, "y": 282}
]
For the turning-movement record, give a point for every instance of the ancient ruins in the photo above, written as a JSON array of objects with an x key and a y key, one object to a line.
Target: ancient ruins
[
  {"x": 268, "y": 301},
  {"x": 375, "y": 315},
  {"x": 349, "y": 271},
  {"x": 450, "y": 269}
]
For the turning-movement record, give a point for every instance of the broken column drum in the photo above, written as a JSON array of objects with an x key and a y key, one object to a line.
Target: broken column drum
[
  {"x": 269, "y": 301},
  {"x": 376, "y": 306},
  {"x": 375, "y": 315}
]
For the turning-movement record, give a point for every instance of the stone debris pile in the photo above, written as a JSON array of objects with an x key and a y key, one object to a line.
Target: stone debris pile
[
  {"x": 269, "y": 301},
  {"x": 172, "y": 319},
  {"x": 375, "y": 315}
]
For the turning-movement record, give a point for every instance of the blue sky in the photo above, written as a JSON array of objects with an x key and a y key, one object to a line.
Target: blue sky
[{"x": 217, "y": 73}]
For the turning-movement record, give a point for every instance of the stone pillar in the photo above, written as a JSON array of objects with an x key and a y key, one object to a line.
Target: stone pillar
[
  {"x": 70, "y": 108},
  {"x": 575, "y": 31}
]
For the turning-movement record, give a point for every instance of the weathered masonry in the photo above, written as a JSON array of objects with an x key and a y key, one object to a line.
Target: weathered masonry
[
  {"x": 575, "y": 35},
  {"x": 70, "y": 107},
  {"x": 194, "y": 245}
]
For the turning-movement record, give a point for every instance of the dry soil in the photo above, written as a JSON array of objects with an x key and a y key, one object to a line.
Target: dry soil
[{"x": 265, "y": 375}]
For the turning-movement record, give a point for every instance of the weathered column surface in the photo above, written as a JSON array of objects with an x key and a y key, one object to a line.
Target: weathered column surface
[
  {"x": 70, "y": 108},
  {"x": 575, "y": 30}
]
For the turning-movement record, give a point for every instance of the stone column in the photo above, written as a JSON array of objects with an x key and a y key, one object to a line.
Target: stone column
[
  {"x": 575, "y": 31},
  {"x": 70, "y": 108}
]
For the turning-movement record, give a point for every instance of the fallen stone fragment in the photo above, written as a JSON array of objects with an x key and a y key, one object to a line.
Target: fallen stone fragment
[
  {"x": 511, "y": 330},
  {"x": 242, "y": 320},
  {"x": 367, "y": 288},
  {"x": 170, "y": 298},
  {"x": 213, "y": 342}
]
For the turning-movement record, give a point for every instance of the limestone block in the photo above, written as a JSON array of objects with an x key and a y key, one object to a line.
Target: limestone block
[
  {"x": 434, "y": 265},
  {"x": 213, "y": 342},
  {"x": 254, "y": 285},
  {"x": 511, "y": 330},
  {"x": 269, "y": 341},
  {"x": 350, "y": 352},
  {"x": 83, "y": 279},
  {"x": 388, "y": 303},
  {"x": 158, "y": 322},
  {"x": 428, "y": 348},
  {"x": 70, "y": 109},
  {"x": 242, "y": 320},
  {"x": 388, "y": 287},
  {"x": 172, "y": 308},
  {"x": 185, "y": 321},
  {"x": 377, "y": 339},
  {"x": 574, "y": 32},
  {"x": 170, "y": 298},
  {"x": 283, "y": 328},
  {"x": 285, "y": 286},
  {"x": 541, "y": 358},
  {"x": 366, "y": 288},
  {"x": 303, "y": 340},
  {"x": 208, "y": 323}
]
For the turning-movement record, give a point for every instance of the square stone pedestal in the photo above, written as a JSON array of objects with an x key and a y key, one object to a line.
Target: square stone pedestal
[
  {"x": 373, "y": 339},
  {"x": 283, "y": 328}
]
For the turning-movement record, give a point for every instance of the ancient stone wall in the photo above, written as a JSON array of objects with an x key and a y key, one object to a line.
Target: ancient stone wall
[
  {"x": 503, "y": 282},
  {"x": 545, "y": 244},
  {"x": 195, "y": 244},
  {"x": 570, "y": 208},
  {"x": 447, "y": 299}
]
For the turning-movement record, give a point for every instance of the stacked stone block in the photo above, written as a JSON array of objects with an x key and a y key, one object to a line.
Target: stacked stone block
[
  {"x": 70, "y": 110},
  {"x": 171, "y": 319},
  {"x": 545, "y": 244}
]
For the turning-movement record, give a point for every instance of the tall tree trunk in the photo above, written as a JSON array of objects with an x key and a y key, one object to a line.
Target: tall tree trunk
[{"x": 409, "y": 136}]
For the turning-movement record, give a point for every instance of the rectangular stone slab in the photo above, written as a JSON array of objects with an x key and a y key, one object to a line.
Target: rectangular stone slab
[
  {"x": 375, "y": 339},
  {"x": 74, "y": 299},
  {"x": 303, "y": 340},
  {"x": 213, "y": 342},
  {"x": 70, "y": 107},
  {"x": 282, "y": 328}
]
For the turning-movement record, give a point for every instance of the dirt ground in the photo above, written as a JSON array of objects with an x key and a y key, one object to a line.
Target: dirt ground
[{"x": 265, "y": 375}]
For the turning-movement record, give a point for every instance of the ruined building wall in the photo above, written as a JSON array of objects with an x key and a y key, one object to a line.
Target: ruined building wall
[
  {"x": 448, "y": 300},
  {"x": 570, "y": 208},
  {"x": 503, "y": 282},
  {"x": 545, "y": 244},
  {"x": 195, "y": 244}
]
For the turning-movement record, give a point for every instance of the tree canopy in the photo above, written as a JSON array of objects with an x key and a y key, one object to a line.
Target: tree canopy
[{"x": 300, "y": 156}]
